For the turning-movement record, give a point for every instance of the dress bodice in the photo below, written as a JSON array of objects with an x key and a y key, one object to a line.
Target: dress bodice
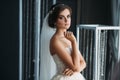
[{"x": 59, "y": 63}]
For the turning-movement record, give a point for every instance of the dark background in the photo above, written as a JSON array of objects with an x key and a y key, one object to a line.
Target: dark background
[
  {"x": 93, "y": 12},
  {"x": 9, "y": 27}
]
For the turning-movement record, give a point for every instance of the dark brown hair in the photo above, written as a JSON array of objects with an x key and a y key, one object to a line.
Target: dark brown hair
[{"x": 54, "y": 13}]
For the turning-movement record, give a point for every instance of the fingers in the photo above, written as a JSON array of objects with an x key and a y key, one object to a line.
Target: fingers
[
  {"x": 68, "y": 72},
  {"x": 70, "y": 36},
  {"x": 68, "y": 33}
]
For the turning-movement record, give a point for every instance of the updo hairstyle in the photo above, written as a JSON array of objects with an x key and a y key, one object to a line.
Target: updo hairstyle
[{"x": 54, "y": 13}]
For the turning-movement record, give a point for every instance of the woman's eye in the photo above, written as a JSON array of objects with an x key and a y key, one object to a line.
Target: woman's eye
[
  {"x": 68, "y": 16},
  {"x": 60, "y": 17}
]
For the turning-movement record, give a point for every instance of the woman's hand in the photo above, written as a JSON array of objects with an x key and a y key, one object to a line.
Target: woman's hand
[
  {"x": 68, "y": 72},
  {"x": 70, "y": 36}
]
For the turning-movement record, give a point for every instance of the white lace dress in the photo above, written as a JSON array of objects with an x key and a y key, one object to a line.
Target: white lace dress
[{"x": 61, "y": 67}]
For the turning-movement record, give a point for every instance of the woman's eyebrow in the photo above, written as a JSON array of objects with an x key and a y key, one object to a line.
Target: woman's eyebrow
[{"x": 63, "y": 15}]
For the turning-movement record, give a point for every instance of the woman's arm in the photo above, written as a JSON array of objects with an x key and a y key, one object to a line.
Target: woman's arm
[
  {"x": 75, "y": 55},
  {"x": 82, "y": 66},
  {"x": 71, "y": 60},
  {"x": 78, "y": 59}
]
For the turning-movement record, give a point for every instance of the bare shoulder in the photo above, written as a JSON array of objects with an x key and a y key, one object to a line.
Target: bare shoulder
[
  {"x": 55, "y": 40},
  {"x": 54, "y": 43}
]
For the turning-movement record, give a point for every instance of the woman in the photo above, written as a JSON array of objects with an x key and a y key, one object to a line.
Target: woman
[{"x": 63, "y": 45}]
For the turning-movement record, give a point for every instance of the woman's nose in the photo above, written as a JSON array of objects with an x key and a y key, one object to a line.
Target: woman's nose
[{"x": 66, "y": 19}]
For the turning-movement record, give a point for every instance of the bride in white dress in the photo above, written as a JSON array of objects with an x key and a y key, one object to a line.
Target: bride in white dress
[{"x": 63, "y": 47}]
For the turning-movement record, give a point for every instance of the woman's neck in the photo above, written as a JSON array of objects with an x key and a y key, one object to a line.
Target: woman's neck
[{"x": 60, "y": 32}]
